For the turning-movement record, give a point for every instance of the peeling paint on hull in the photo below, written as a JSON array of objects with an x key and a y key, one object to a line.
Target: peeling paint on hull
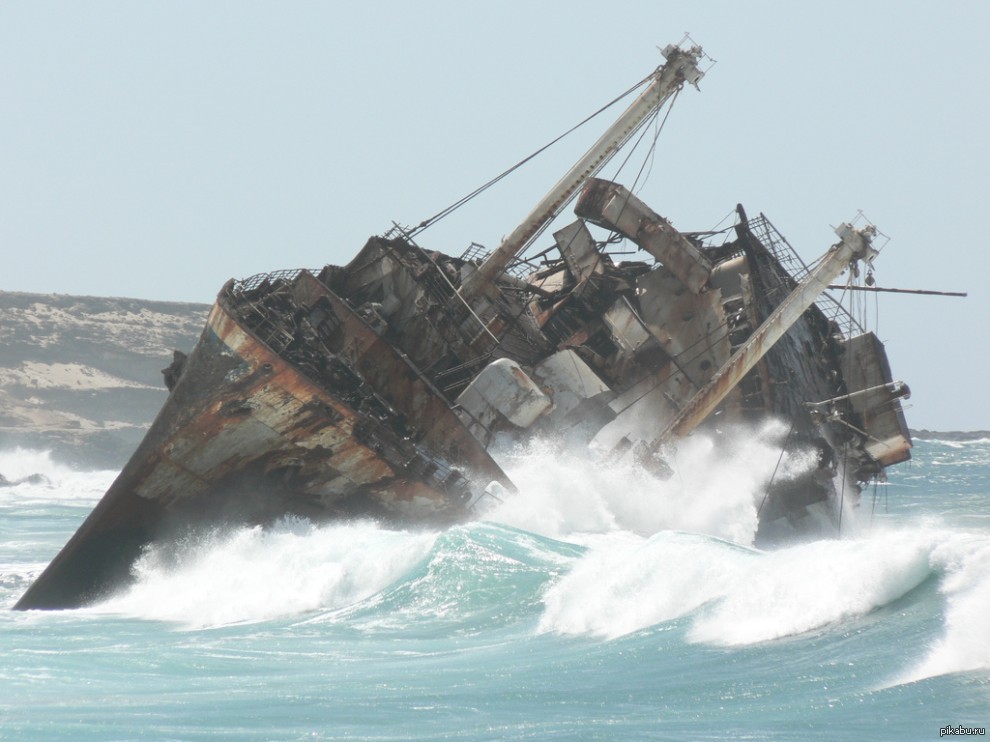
[{"x": 246, "y": 437}]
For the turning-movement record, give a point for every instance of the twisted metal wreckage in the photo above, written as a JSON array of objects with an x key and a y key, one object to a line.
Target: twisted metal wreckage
[{"x": 375, "y": 389}]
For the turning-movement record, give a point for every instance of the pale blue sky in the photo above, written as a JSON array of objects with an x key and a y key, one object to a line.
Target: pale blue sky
[{"x": 155, "y": 150}]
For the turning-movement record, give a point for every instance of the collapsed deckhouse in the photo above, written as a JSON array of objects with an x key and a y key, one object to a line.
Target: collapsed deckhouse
[
  {"x": 612, "y": 354},
  {"x": 380, "y": 388}
]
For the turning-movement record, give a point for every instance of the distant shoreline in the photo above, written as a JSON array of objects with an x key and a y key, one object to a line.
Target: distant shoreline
[{"x": 950, "y": 435}]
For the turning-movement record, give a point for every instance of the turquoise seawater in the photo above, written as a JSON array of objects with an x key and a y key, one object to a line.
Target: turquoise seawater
[{"x": 594, "y": 604}]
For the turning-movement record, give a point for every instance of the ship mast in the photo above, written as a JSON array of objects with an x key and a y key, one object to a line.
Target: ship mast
[
  {"x": 854, "y": 245},
  {"x": 681, "y": 66}
]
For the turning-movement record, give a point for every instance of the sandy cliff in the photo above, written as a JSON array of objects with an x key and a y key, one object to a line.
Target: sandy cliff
[{"x": 82, "y": 375}]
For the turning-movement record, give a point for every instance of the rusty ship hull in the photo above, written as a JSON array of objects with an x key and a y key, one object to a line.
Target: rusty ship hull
[
  {"x": 247, "y": 436},
  {"x": 379, "y": 389}
]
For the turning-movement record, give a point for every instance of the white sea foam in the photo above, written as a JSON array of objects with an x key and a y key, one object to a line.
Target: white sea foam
[
  {"x": 735, "y": 596},
  {"x": 254, "y": 574},
  {"x": 658, "y": 549},
  {"x": 717, "y": 492},
  {"x": 808, "y": 586},
  {"x": 74, "y": 376},
  {"x": 964, "y": 558},
  {"x": 663, "y": 549},
  {"x": 626, "y": 583},
  {"x": 18, "y": 463},
  {"x": 33, "y": 478}
]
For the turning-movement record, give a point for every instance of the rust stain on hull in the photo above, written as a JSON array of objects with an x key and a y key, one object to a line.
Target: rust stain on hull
[{"x": 247, "y": 437}]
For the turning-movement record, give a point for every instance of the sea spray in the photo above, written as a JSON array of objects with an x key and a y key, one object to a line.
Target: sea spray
[
  {"x": 658, "y": 551},
  {"x": 807, "y": 586},
  {"x": 31, "y": 477},
  {"x": 716, "y": 489}
]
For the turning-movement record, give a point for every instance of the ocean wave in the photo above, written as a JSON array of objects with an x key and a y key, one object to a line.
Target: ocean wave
[
  {"x": 810, "y": 586},
  {"x": 31, "y": 478},
  {"x": 733, "y": 596},
  {"x": 957, "y": 443},
  {"x": 477, "y": 576},
  {"x": 964, "y": 644},
  {"x": 628, "y": 583},
  {"x": 255, "y": 574},
  {"x": 360, "y": 575},
  {"x": 583, "y": 549}
]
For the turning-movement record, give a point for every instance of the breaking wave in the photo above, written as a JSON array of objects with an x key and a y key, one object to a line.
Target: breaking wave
[
  {"x": 963, "y": 558},
  {"x": 734, "y": 596},
  {"x": 29, "y": 478},
  {"x": 583, "y": 550},
  {"x": 255, "y": 574}
]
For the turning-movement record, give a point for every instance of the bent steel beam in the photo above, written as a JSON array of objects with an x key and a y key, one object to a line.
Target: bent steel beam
[{"x": 612, "y": 206}]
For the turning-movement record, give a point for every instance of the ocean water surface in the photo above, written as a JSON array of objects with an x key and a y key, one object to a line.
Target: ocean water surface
[{"x": 597, "y": 603}]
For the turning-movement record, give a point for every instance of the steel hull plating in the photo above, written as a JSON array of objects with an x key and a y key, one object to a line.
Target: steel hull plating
[{"x": 246, "y": 437}]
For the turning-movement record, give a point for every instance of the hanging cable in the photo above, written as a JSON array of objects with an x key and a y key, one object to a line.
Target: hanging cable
[
  {"x": 780, "y": 458},
  {"x": 644, "y": 125},
  {"x": 560, "y": 208},
  {"x": 717, "y": 228},
  {"x": 842, "y": 493},
  {"x": 654, "y": 117},
  {"x": 613, "y": 235},
  {"x": 652, "y": 154},
  {"x": 653, "y": 146},
  {"x": 426, "y": 223}
]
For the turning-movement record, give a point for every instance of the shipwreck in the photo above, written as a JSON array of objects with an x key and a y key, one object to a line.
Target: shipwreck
[{"x": 379, "y": 388}]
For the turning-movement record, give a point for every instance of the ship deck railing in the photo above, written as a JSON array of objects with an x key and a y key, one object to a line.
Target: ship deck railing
[
  {"x": 778, "y": 246},
  {"x": 288, "y": 275}
]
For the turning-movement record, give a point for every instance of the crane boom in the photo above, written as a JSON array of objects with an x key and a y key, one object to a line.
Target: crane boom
[{"x": 681, "y": 66}]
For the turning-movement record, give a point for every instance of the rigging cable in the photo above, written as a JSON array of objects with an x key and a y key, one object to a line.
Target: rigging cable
[
  {"x": 653, "y": 116},
  {"x": 780, "y": 458},
  {"x": 613, "y": 235},
  {"x": 644, "y": 125},
  {"x": 426, "y": 223},
  {"x": 842, "y": 494}
]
